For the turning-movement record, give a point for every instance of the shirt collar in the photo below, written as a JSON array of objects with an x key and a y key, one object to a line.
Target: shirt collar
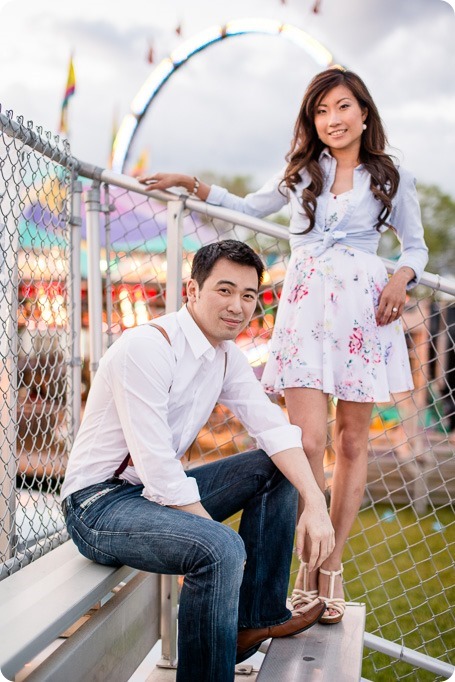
[
  {"x": 197, "y": 341},
  {"x": 325, "y": 156}
]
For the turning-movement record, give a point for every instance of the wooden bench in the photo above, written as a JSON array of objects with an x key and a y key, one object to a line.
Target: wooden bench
[
  {"x": 45, "y": 598},
  {"x": 323, "y": 653},
  {"x": 50, "y": 595}
]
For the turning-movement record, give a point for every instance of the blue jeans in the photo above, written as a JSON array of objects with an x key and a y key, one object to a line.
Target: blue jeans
[{"x": 112, "y": 524}]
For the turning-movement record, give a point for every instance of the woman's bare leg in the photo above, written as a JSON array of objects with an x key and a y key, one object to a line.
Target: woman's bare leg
[
  {"x": 349, "y": 477},
  {"x": 308, "y": 408}
]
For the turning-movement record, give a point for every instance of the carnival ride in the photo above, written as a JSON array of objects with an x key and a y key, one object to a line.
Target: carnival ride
[{"x": 185, "y": 51}]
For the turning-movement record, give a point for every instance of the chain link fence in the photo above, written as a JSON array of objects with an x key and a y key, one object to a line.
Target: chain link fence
[
  {"x": 35, "y": 341},
  {"x": 399, "y": 559}
]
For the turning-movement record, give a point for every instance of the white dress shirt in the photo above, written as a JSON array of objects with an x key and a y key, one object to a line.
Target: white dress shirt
[
  {"x": 356, "y": 228},
  {"x": 150, "y": 398}
]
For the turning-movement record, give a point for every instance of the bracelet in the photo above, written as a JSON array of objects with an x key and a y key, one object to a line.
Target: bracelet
[{"x": 197, "y": 182}]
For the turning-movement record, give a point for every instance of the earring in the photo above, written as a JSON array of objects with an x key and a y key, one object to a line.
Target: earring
[{"x": 364, "y": 126}]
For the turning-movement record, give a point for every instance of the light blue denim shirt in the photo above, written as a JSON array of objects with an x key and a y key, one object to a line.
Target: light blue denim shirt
[{"x": 356, "y": 228}]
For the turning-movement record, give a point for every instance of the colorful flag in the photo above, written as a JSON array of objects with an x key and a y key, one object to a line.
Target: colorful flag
[
  {"x": 69, "y": 92},
  {"x": 141, "y": 165}
]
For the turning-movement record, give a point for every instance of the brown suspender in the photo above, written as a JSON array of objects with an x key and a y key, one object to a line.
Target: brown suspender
[
  {"x": 163, "y": 331},
  {"x": 128, "y": 461}
]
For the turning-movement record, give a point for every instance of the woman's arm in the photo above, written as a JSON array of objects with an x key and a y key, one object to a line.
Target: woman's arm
[
  {"x": 407, "y": 222},
  {"x": 163, "y": 181},
  {"x": 270, "y": 198}
]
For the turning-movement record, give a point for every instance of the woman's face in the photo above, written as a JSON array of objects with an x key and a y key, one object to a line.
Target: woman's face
[{"x": 339, "y": 119}]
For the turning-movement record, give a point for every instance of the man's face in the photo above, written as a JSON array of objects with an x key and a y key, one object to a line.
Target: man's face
[{"x": 223, "y": 307}]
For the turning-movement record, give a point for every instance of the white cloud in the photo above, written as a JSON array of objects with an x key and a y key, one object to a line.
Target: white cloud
[{"x": 232, "y": 107}]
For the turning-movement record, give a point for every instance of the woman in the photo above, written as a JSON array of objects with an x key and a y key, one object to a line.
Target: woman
[{"x": 338, "y": 330}]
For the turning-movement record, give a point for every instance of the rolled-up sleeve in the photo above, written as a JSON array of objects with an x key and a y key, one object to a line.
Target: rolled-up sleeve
[
  {"x": 407, "y": 220},
  {"x": 244, "y": 396},
  {"x": 267, "y": 200},
  {"x": 141, "y": 381}
]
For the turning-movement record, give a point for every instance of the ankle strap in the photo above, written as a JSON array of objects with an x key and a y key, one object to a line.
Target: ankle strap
[{"x": 334, "y": 573}]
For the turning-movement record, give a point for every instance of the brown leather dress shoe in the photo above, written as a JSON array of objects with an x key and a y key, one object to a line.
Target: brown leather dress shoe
[{"x": 249, "y": 640}]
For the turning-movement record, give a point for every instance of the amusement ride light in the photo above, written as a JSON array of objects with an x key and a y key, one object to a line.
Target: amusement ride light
[{"x": 181, "y": 54}]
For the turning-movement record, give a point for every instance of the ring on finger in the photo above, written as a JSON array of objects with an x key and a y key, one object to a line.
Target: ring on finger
[{"x": 394, "y": 310}]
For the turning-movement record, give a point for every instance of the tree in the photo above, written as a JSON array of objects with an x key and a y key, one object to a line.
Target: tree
[
  {"x": 241, "y": 185},
  {"x": 438, "y": 216}
]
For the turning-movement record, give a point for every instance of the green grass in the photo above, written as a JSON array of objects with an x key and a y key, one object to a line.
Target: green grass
[{"x": 402, "y": 568}]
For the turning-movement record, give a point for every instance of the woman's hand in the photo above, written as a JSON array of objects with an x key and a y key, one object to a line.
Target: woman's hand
[
  {"x": 393, "y": 297},
  {"x": 163, "y": 181}
]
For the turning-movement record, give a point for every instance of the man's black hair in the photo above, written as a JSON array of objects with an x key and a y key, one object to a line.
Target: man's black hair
[{"x": 232, "y": 250}]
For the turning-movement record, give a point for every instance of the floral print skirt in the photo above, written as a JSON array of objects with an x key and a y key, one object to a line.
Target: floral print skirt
[{"x": 326, "y": 336}]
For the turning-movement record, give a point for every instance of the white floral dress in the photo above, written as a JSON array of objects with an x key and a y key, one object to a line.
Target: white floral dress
[{"x": 325, "y": 335}]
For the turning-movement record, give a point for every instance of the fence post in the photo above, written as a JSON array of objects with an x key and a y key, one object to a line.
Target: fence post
[
  {"x": 169, "y": 585},
  {"x": 8, "y": 385},
  {"x": 174, "y": 255},
  {"x": 74, "y": 300},
  {"x": 94, "y": 284}
]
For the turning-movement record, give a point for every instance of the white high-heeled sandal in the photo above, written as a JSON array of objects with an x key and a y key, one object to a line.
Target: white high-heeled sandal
[
  {"x": 334, "y": 603},
  {"x": 300, "y": 597}
]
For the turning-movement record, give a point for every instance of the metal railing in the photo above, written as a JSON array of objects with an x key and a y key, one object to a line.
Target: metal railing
[{"x": 139, "y": 246}]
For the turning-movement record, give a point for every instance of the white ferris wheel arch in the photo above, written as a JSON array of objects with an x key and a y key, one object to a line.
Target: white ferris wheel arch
[{"x": 164, "y": 70}]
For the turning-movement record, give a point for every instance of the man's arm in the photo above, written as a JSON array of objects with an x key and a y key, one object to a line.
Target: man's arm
[
  {"x": 244, "y": 396},
  {"x": 315, "y": 537}
]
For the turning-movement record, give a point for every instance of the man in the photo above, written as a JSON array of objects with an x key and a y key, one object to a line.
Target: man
[{"x": 154, "y": 389}]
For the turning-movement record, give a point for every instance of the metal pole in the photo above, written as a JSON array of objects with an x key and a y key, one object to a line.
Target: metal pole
[
  {"x": 106, "y": 209},
  {"x": 169, "y": 585},
  {"x": 9, "y": 246},
  {"x": 74, "y": 393},
  {"x": 8, "y": 386},
  {"x": 95, "y": 295},
  {"x": 174, "y": 255},
  {"x": 168, "y": 622},
  {"x": 407, "y": 655}
]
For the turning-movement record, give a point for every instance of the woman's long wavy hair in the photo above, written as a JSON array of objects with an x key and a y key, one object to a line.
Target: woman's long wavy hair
[{"x": 306, "y": 146}]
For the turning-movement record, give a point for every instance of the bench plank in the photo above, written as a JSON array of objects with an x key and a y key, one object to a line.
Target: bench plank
[
  {"x": 44, "y": 598},
  {"x": 323, "y": 653},
  {"x": 113, "y": 642}
]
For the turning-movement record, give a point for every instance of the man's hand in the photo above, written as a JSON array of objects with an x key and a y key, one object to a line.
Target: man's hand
[
  {"x": 193, "y": 508},
  {"x": 315, "y": 535},
  {"x": 315, "y": 538}
]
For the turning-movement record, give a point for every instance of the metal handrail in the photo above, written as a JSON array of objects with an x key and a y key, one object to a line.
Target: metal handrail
[
  {"x": 266, "y": 227},
  {"x": 51, "y": 149}
]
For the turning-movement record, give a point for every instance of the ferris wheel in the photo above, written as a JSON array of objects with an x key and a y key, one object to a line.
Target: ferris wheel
[{"x": 167, "y": 67}]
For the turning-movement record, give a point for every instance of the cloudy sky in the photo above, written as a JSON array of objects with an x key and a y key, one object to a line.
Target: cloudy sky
[{"x": 232, "y": 107}]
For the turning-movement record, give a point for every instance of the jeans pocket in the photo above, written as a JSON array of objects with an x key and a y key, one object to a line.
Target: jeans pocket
[{"x": 83, "y": 500}]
